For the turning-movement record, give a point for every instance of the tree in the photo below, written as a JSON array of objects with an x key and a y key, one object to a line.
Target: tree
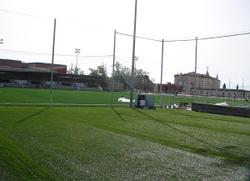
[
  {"x": 122, "y": 75},
  {"x": 75, "y": 70},
  {"x": 224, "y": 86},
  {"x": 100, "y": 71},
  {"x": 237, "y": 87},
  {"x": 71, "y": 69},
  {"x": 142, "y": 80}
]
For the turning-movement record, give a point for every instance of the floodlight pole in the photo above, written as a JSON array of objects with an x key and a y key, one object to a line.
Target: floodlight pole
[
  {"x": 77, "y": 52},
  {"x": 242, "y": 87},
  {"x": 113, "y": 71},
  {"x": 52, "y": 63},
  {"x": 195, "y": 68},
  {"x": 162, "y": 56},
  {"x": 133, "y": 58}
]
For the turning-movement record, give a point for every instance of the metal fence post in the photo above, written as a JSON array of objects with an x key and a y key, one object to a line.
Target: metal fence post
[
  {"x": 113, "y": 71},
  {"x": 52, "y": 63},
  {"x": 133, "y": 58},
  {"x": 195, "y": 70},
  {"x": 162, "y": 56}
]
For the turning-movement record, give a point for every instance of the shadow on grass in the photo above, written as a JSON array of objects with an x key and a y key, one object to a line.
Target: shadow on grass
[
  {"x": 172, "y": 127},
  {"x": 118, "y": 114},
  {"x": 32, "y": 115},
  {"x": 208, "y": 150}
]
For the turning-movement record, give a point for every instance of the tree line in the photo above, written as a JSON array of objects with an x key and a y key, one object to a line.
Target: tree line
[{"x": 122, "y": 75}]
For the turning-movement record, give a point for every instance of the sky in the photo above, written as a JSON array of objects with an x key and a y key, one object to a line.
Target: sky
[{"x": 27, "y": 29}]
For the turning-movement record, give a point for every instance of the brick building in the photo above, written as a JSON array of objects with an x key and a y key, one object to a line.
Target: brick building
[
  {"x": 230, "y": 93},
  {"x": 17, "y": 65},
  {"x": 202, "y": 81},
  {"x": 168, "y": 88},
  {"x": 17, "y": 73}
]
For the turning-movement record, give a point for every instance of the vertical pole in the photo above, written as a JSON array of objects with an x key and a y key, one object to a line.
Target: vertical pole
[
  {"x": 52, "y": 63},
  {"x": 195, "y": 69},
  {"x": 243, "y": 91},
  {"x": 242, "y": 84},
  {"x": 76, "y": 64},
  {"x": 77, "y": 52},
  {"x": 133, "y": 58},
  {"x": 162, "y": 55},
  {"x": 113, "y": 72}
]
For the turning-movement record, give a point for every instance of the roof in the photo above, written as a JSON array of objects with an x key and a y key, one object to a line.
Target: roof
[
  {"x": 11, "y": 61},
  {"x": 41, "y": 63},
  {"x": 16, "y": 69},
  {"x": 196, "y": 74},
  {"x": 18, "y": 66}
]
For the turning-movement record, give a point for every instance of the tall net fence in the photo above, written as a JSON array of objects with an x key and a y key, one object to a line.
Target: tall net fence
[
  {"x": 205, "y": 70},
  {"x": 79, "y": 73},
  {"x": 93, "y": 65}
]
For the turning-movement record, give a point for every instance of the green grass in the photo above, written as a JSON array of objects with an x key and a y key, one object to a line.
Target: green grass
[
  {"x": 26, "y": 95},
  {"x": 202, "y": 99},
  {"x": 74, "y": 143}
]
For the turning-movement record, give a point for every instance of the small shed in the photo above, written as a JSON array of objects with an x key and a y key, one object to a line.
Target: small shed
[{"x": 144, "y": 100}]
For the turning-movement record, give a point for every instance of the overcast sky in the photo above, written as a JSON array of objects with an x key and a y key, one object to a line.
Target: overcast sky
[{"x": 89, "y": 25}]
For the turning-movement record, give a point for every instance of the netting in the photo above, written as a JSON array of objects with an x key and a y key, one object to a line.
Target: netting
[{"x": 83, "y": 65}]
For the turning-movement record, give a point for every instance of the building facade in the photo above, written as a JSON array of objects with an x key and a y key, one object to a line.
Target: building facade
[
  {"x": 193, "y": 81},
  {"x": 229, "y": 93},
  {"x": 18, "y": 74},
  {"x": 167, "y": 88},
  {"x": 17, "y": 65}
]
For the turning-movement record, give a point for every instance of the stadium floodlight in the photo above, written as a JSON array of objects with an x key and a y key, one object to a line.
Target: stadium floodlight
[{"x": 77, "y": 52}]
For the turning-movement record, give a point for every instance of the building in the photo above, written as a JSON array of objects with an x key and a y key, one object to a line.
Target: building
[
  {"x": 18, "y": 66},
  {"x": 168, "y": 88},
  {"x": 202, "y": 81},
  {"x": 207, "y": 85},
  {"x": 18, "y": 74},
  {"x": 229, "y": 93}
]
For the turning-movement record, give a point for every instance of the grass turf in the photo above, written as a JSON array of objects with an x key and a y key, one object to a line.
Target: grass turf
[
  {"x": 73, "y": 143},
  {"x": 27, "y": 95}
]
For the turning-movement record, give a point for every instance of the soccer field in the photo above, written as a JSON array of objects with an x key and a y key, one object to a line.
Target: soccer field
[
  {"x": 88, "y": 143},
  {"x": 42, "y": 96}
]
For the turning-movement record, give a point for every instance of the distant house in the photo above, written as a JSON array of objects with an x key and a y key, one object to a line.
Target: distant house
[
  {"x": 168, "y": 88},
  {"x": 230, "y": 93},
  {"x": 192, "y": 81},
  {"x": 18, "y": 66},
  {"x": 206, "y": 85}
]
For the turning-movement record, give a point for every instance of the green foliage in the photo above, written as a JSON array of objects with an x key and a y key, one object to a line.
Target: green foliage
[
  {"x": 142, "y": 80},
  {"x": 99, "y": 71}
]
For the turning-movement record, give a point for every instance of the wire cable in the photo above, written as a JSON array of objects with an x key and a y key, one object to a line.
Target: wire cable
[
  {"x": 189, "y": 39},
  {"x": 25, "y": 14},
  {"x": 140, "y": 37},
  {"x": 225, "y": 36},
  {"x": 58, "y": 19},
  {"x": 49, "y": 54}
]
